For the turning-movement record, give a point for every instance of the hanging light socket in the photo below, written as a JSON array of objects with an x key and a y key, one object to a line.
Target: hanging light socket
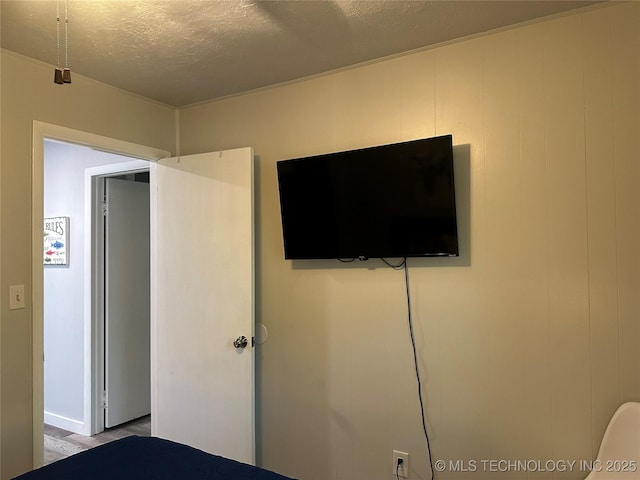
[
  {"x": 58, "y": 77},
  {"x": 66, "y": 76}
]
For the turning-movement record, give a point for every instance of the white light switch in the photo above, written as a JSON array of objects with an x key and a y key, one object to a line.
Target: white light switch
[{"x": 16, "y": 297}]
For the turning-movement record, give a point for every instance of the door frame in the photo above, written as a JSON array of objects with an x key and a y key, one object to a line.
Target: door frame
[
  {"x": 94, "y": 290},
  {"x": 42, "y": 131}
]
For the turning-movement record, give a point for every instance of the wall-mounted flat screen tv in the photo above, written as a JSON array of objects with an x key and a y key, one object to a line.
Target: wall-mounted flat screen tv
[{"x": 387, "y": 201}]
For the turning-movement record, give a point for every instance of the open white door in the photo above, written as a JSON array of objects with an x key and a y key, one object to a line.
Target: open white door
[
  {"x": 202, "y": 301},
  {"x": 127, "y": 304}
]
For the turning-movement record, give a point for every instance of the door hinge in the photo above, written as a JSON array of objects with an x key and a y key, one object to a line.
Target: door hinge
[
  {"x": 104, "y": 399},
  {"x": 104, "y": 209}
]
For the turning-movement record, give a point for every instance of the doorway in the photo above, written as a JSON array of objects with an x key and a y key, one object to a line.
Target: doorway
[
  {"x": 74, "y": 179},
  {"x": 201, "y": 211},
  {"x": 124, "y": 246},
  {"x": 83, "y": 418}
]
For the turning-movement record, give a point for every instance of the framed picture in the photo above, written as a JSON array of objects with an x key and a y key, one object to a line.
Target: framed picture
[{"x": 56, "y": 241}]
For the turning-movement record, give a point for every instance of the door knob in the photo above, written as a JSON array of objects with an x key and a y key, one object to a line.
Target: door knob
[{"x": 240, "y": 342}]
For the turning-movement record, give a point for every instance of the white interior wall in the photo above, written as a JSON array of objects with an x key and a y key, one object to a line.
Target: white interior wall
[
  {"x": 64, "y": 286},
  {"x": 529, "y": 342}
]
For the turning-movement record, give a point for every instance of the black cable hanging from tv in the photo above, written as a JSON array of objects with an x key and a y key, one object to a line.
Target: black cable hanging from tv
[{"x": 415, "y": 363}]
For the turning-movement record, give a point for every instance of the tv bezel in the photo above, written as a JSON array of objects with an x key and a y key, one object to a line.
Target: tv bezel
[{"x": 453, "y": 252}]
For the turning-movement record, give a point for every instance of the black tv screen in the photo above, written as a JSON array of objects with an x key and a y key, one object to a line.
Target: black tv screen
[{"x": 388, "y": 201}]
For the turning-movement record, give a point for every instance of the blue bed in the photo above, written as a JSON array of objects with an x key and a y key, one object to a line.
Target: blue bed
[{"x": 138, "y": 458}]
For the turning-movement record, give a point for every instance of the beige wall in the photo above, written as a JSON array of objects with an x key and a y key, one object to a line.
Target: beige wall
[
  {"x": 529, "y": 341},
  {"x": 28, "y": 94}
]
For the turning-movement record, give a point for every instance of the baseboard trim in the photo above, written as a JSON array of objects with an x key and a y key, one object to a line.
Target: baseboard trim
[{"x": 65, "y": 423}]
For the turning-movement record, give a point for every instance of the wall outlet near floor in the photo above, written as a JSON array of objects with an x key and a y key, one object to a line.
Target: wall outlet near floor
[{"x": 400, "y": 464}]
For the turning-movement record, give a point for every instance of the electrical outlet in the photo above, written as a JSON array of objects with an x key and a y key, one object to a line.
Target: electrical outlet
[{"x": 400, "y": 464}]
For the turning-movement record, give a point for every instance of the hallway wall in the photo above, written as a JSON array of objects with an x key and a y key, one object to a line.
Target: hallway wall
[{"x": 64, "y": 195}]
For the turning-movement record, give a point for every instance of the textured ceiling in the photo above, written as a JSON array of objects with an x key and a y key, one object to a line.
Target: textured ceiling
[{"x": 185, "y": 51}]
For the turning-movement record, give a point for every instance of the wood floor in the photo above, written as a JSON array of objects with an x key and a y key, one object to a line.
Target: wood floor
[{"x": 59, "y": 443}]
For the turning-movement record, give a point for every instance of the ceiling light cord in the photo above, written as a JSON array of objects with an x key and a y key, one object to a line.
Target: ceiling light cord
[
  {"x": 66, "y": 34},
  {"x": 58, "y": 34},
  {"x": 62, "y": 76}
]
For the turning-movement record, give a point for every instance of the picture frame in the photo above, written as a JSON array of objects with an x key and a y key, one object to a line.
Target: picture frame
[{"x": 56, "y": 241}]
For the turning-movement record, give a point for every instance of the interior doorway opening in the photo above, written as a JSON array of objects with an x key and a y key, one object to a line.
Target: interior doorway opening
[
  {"x": 213, "y": 311},
  {"x": 83, "y": 416},
  {"x": 75, "y": 188}
]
